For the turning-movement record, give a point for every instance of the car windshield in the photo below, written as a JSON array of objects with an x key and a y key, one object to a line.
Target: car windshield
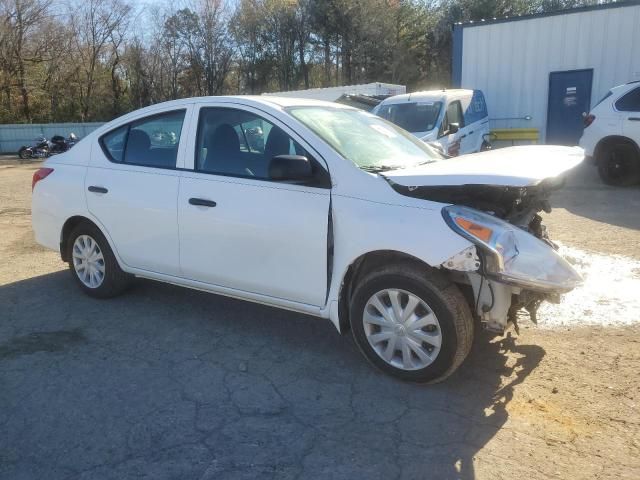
[
  {"x": 413, "y": 117},
  {"x": 370, "y": 142}
]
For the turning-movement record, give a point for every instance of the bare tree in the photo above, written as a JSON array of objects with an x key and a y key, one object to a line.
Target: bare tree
[
  {"x": 214, "y": 44},
  {"x": 21, "y": 20},
  {"x": 94, "y": 23}
]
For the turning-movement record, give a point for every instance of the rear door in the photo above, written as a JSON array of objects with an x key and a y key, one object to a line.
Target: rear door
[
  {"x": 569, "y": 98},
  {"x": 629, "y": 107},
  {"x": 241, "y": 230},
  {"x": 132, "y": 189}
]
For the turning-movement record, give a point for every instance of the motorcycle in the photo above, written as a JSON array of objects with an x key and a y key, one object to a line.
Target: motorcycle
[
  {"x": 41, "y": 148},
  {"x": 59, "y": 144}
]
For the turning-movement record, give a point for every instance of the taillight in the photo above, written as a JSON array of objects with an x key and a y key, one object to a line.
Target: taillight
[
  {"x": 40, "y": 174},
  {"x": 588, "y": 120}
]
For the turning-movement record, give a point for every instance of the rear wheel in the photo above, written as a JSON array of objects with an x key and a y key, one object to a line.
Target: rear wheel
[
  {"x": 619, "y": 164},
  {"x": 93, "y": 263},
  {"x": 411, "y": 323},
  {"x": 24, "y": 153}
]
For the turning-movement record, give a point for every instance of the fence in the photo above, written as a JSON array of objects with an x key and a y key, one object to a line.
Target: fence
[{"x": 13, "y": 136}]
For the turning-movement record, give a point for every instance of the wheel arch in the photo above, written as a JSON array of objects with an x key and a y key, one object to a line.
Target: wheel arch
[
  {"x": 610, "y": 139},
  {"x": 71, "y": 223},
  {"x": 359, "y": 267}
]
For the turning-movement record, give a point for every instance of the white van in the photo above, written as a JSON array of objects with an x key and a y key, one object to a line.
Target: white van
[{"x": 456, "y": 119}]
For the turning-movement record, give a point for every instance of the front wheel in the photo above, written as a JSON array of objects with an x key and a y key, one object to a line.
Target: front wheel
[
  {"x": 93, "y": 264},
  {"x": 411, "y": 323}
]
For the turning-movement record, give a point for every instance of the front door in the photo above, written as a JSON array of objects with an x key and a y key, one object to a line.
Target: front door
[
  {"x": 241, "y": 230},
  {"x": 569, "y": 98}
]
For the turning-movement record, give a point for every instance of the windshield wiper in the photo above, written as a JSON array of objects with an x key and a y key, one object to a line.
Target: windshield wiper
[{"x": 379, "y": 168}]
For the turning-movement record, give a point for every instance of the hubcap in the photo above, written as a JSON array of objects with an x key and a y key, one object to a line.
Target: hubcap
[
  {"x": 402, "y": 329},
  {"x": 88, "y": 261}
]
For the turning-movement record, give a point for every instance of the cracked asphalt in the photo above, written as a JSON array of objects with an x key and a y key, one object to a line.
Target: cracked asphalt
[{"x": 169, "y": 383}]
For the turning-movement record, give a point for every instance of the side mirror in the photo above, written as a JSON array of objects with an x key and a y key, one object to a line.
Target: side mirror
[
  {"x": 290, "y": 167},
  {"x": 454, "y": 128}
]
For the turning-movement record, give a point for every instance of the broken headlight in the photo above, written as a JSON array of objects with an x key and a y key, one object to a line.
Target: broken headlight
[{"x": 510, "y": 254}]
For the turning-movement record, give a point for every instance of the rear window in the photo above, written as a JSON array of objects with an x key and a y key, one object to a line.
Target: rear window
[{"x": 413, "y": 117}]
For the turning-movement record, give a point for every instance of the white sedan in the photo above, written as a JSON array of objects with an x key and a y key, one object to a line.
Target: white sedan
[{"x": 313, "y": 207}]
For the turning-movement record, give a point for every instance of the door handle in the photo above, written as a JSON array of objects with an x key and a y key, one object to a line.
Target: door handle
[
  {"x": 201, "y": 202},
  {"x": 95, "y": 189},
  {"x": 634, "y": 119}
]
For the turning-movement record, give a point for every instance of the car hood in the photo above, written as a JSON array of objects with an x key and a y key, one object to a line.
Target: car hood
[{"x": 520, "y": 166}]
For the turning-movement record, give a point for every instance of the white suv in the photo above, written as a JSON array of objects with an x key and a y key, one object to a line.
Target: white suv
[
  {"x": 612, "y": 135},
  {"x": 313, "y": 207}
]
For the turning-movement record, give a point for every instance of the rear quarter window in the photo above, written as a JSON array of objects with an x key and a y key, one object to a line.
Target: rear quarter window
[
  {"x": 629, "y": 102},
  {"x": 113, "y": 143}
]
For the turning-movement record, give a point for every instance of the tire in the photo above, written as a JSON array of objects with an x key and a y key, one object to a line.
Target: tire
[
  {"x": 438, "y": 297},
  {"x": 619, "y": 164},
  {"x": 485, "y": 146},
  {"x": 113, "y": 279},
  {"x": 24, "y": 154}
]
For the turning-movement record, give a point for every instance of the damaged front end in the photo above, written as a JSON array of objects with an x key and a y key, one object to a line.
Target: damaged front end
[
  {"x": 512, "y": 264},
  {"x": 496, "y": 304}
]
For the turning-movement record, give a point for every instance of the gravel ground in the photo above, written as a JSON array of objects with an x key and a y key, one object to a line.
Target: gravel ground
[{"x": 165, "y": 382}]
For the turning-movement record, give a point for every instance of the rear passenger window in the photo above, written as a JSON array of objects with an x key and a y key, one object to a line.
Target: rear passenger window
[
  {"x": 153, "y": 141},
  {"x": 629, "y": 102},
  {"x": 150, "y": 142}
]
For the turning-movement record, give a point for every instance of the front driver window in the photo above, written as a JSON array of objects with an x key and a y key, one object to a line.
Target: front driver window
[{"x": 241, "y": 144}]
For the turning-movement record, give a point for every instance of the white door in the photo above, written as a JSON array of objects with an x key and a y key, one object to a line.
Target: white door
[
  {"x": 132, "y": 189},
  {"x": 242, "y": 231},
  {"x": 629, "y": 107}
]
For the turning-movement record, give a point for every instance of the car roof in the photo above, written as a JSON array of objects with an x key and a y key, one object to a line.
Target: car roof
[
  {"x": 625, "y": 87},
  {"x": 252, "y": 100},
  {"x": 248, "y": 100},
  {"x": 431, "y": 95}
]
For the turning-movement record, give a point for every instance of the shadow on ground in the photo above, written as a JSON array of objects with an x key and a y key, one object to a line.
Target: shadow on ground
[
  {"x": 585, "y": 195},
  {"x": 165, "y": 382}
]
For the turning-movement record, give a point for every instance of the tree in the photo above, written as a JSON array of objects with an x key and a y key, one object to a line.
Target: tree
[
  {"x": 95, "y": 24},
  {"x": 21, "y": 43}
]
